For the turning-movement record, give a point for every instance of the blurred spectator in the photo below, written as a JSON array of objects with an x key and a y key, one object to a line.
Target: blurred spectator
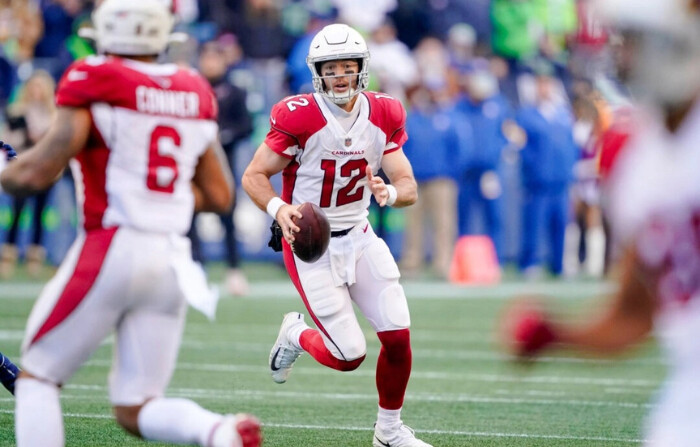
[
  {"x": 75, "y": 47},
  {"x": 297, "y": 70},
  {"x": 8, "y": 78},
  {"x": 587, "y": 248},
  {"x": 391, "y": 63},
  {"x": 558, "y": 21},
  {"x": 514, "y": 37},
  {"x": 411, "y": 20},
  {"x": 28, "y": 120},
  {"x": 226, "y": 14},
  {"x": 480, "y": 183},
  {"x": 367, "y": 15},
  {"x": 443, "y": 14},
  {"x": 433, "y": 62},
  {"x": 590, "y": 52},
  {"x": 235, "y": 125},
  {"x": 231, "y": 48},
  {"x": 515, "y": 29},
  {"x": 461, "y": 40},
  {"x": 261, "y": 33},
  {"x": 265, "y": 44},
  {"x": 20, "y": 29},
  {"x": 58, "y": 17},
  {"x": 434, "y": 151},
  {"x": 547, "y": 170}
]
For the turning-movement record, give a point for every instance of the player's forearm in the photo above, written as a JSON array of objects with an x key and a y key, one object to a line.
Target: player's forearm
[
  {"x": 220, "y": 203},
  {"x": 607, "y": 336},
  {"x": 39, "y": 167},
  {"x": 259, "y": 188},
  {"x": 26, "y": 176},
  {"x": 406, "y": 192}
]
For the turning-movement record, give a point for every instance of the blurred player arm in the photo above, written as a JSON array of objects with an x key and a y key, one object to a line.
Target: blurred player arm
[
  {"x": 626, "y": 321},
  {"x": 256, "y": 182},
  {"x": 37, "y": 169},
  {"x": 212, "y": 183},
  {"x": 400, "y": 173}
]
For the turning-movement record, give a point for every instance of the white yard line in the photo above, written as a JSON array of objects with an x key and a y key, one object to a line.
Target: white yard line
[
  {"x": 417, "y": 374},
  {"x": 432, "y": 432},
  {"x": 412, "y": 397},
  {"x": 418, "y": 290}
]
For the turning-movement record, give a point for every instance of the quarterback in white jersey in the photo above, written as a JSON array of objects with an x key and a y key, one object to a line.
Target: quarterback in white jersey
[
  {"x": 654, "y": 199},
  {"x": 141, "y": 139},
  {"x": 328, "y": 146}
]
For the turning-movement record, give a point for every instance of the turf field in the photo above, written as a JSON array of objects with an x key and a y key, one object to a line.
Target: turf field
[{"x": 463, "y": 391}]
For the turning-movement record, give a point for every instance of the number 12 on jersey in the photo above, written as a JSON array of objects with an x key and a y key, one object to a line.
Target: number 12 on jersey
[{"x": 354, "y": 170}]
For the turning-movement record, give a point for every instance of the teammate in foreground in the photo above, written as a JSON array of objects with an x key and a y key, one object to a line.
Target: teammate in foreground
[
  {"x": 329, "y": 145},
  {"x": 655, "y": 213},
  {"x": 141, "y": 140}
]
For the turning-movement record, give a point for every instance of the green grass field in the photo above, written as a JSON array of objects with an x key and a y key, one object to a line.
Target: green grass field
[{"x": 463, "y": 391}]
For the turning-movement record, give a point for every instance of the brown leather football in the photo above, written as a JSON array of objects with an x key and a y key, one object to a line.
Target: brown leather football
[{"x": 312, "y": 241}]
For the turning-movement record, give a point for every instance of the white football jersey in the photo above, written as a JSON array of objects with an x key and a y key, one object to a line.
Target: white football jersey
[
  {"x": 328, "y": 164},
  {"x": 655, "y": 205},
  {"x": 151, "y": 123}
]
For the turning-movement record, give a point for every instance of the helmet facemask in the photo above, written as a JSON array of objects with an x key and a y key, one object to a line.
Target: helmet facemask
[
  {"x": 323, "y": 82},
  {"x": 338, "y": 42}
]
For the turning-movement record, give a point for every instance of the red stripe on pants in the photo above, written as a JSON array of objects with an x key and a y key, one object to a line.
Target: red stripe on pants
[
  {"x": 311, "y": 339},
  {"x": 90, "y": 261}
]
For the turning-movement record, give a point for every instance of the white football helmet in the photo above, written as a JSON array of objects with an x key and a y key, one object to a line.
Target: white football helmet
[
  {"x": 132, "y": 27},
  {"x": 338, "y": 42},
  {"x": 663, "y": 36}
]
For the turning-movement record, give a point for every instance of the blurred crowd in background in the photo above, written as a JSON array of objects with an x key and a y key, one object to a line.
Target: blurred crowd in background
[{"x": 508, "y": 103}]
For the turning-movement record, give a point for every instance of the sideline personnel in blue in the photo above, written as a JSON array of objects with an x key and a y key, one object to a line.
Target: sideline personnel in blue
[
  {"x": 434, "y": 150},
  {"x": 480, "y": 182},
  {"x": 547, "y": 171}
]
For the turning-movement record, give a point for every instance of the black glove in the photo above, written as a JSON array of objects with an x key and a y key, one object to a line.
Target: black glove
[
  {"x": 276, "y": 238},
  {"x": 9, "y": 150}
]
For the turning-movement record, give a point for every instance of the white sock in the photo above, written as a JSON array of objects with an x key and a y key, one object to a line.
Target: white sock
[
  {"x": 389, "y": 419},
  {"x": 572, "y": 236},
  {"x": 179, "y": 421},
  {"x": 595, "y": 245},
  {"x": 38, "y": 418},
  {"x": 294, "y": 334}
]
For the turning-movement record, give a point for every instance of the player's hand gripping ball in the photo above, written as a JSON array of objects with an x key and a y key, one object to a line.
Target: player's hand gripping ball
[{"x": 312, "y": 241}]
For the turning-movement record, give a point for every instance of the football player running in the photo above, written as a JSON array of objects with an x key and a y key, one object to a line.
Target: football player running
[
  {"x": 329, "y": 146},
  {"x": 655, "y": 211},
  {"x": 141, "y": 140}
]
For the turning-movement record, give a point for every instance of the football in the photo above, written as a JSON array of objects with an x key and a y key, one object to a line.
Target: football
[{"x": 312, "y": 241}]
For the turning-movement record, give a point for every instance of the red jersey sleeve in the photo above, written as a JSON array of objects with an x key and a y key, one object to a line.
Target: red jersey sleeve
[
  {"x": 292, "y": 121},
  {"x": 388, "y": 114},
  {"x": 85, "y": 82}
]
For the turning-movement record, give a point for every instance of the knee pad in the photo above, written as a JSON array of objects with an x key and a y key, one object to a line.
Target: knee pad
[
  {"x": 394, "y": 307},
  {"x": 348, "y": 341},
  {"x": 381, "y": 262},
  {"x": 322, "y": 296}
]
